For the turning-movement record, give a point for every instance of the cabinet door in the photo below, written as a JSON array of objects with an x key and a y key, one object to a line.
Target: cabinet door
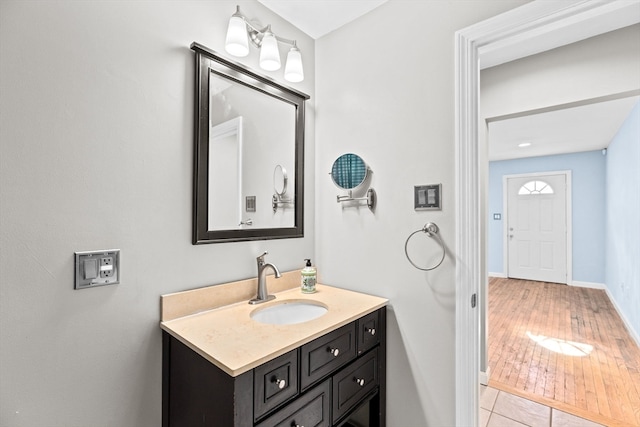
[
  {"x": 275, "y": 382},
  {"x": 312, "y": 409},
  {"x": 368, "y": 331},
  {"x": 354, "y": 383},
  {"x": 322, "y": 356}
]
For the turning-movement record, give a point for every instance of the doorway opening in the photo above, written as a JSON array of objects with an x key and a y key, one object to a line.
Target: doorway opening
[{"x": 527, "y": 30}]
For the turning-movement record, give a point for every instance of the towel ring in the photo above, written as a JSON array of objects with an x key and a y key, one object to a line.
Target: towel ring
[{"x": 432, "y": 230}]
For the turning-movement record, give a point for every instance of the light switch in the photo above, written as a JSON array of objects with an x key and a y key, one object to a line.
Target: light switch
[
  {"x": 250, "y": 203},
  {"x": 427, "y": 197},
  {"x": 431, "y": 196},
  {"x": 97, "y": 268},
  {"x": 90, "y": 267}
]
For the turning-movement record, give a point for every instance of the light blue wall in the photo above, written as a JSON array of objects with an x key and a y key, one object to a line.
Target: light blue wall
[
  {"x": 623, "y": 219},
  {"x": 588, "y": 172}
]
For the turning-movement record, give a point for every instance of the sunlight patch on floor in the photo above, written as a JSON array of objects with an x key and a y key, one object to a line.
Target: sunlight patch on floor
[{"x": 568, "y": 348}]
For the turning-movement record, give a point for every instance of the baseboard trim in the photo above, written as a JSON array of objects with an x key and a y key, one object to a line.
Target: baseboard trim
[
  {"x": 499, "y": 275},
  {"x": 627, "y": 324},
  {"x": 484, "y": 376},
  {"x": 591, "y": 285}
]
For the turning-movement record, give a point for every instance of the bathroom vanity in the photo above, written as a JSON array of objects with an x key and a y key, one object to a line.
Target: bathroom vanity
[{"x": 223, "y": 368}]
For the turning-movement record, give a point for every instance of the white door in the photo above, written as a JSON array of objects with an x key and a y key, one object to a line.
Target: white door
[
  {"x": 225, "y": 175},
  {"x": 537, "y": 227}
]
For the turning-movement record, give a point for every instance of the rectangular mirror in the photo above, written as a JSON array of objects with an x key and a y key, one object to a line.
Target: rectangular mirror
[{"x": 249, "y": 154}]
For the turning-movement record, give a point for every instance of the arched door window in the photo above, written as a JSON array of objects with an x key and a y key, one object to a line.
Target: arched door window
[{"x": 535, "y": 187}]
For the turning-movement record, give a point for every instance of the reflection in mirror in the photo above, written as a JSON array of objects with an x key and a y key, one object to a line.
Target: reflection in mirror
[
  {"x": 225, "y": 175},
  {"x": 349, "y": 171},
  {"x": 280, "y": 180},
  {"x": 268, "y": 137},
  {"x": 245, "y": 124}
]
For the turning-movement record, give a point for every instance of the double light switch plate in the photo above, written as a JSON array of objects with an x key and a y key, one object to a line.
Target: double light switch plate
[
  {"x": 97, "y": 268},
  {"x": 427, "y": 197}
]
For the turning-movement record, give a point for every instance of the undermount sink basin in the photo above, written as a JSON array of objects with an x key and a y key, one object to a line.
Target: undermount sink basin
[{"x": 289, "y": 312}]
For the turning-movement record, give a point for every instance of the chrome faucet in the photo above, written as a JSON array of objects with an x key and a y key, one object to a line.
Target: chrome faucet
[{"x": 263, "y": 294}]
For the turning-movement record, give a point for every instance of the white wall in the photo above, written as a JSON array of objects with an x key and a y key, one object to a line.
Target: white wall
[
  {"x": 385, "y": 91},
  {"x": 595, "y": 67},
  {"x": 96, "y": 136}
]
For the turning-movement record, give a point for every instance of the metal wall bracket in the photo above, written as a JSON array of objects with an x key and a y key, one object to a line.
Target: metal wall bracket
[
  {"x": 279, "y": 201},
  {"x": 370, "y": 199}
]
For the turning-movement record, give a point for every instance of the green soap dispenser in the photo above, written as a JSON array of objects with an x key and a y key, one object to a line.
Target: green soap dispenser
[{"x": 308, "y": 282}]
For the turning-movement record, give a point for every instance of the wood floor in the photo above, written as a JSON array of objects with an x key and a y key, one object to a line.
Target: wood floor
[{"x": 565, "y": 347}]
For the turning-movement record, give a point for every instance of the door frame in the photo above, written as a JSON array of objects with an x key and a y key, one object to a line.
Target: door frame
[
  {"x": 568, "y": 218},
  {"x": 511, "y": 35}
]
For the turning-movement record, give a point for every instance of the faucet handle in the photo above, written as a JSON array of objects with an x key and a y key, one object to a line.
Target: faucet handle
[{"x": 260, "y": 259}]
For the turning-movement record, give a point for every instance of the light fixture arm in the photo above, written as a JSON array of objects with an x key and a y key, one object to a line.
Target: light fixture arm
[
  {"x": 241, "y": 30},
  {"x": 256, "y": 33}
]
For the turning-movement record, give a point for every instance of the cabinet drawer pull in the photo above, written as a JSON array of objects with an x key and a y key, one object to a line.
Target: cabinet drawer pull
[
  {"x": 281, "y": 383},
  {"x": 359, "y": 381},
  {"x": 334, "y": 351},
  {"x": 372, "y": 331}
]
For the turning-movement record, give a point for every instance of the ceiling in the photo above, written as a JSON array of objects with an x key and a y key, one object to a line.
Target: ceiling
[
  {"x": 565, "y": 130},
  {"x": 555, "y": 131},
  {"x": 319, "y": 17}
]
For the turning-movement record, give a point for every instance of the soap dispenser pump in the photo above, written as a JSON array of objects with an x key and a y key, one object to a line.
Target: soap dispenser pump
[{"x": 308, "y": 282}]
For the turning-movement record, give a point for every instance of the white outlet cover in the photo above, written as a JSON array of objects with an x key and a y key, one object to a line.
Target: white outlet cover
[{"x": 108, "y": 268}]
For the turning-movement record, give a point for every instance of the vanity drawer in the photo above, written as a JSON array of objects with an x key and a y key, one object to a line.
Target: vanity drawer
[
  {"x": 275, "y": 382},
  {"x": 353, "y": 383},
  {"x": 321, "y": 356},
  {"x": 310, "y": 410},
  {"x": 368, "y": 331}
]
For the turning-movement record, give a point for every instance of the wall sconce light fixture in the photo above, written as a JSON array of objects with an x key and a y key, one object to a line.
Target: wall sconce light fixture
[{"x": 241, "y": 30}]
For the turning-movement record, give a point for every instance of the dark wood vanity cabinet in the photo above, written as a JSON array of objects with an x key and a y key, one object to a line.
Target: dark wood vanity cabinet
[{"x": 336, "y": 380}]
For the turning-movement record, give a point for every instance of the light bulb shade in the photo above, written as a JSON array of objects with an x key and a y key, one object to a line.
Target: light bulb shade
[
  {"x": 293, "y": 68},
  {"x": 237, "y": 43},
  {"x": 269, "y": 54}
]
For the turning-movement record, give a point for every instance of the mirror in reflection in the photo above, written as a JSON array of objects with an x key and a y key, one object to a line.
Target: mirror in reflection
[{"x": 280, "y": 179}]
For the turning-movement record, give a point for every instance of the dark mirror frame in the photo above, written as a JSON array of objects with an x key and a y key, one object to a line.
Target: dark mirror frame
[{"x": 207, "y": 61}]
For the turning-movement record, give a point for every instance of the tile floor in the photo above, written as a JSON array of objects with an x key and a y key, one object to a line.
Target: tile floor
[{"x": 502, "y": 409}]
